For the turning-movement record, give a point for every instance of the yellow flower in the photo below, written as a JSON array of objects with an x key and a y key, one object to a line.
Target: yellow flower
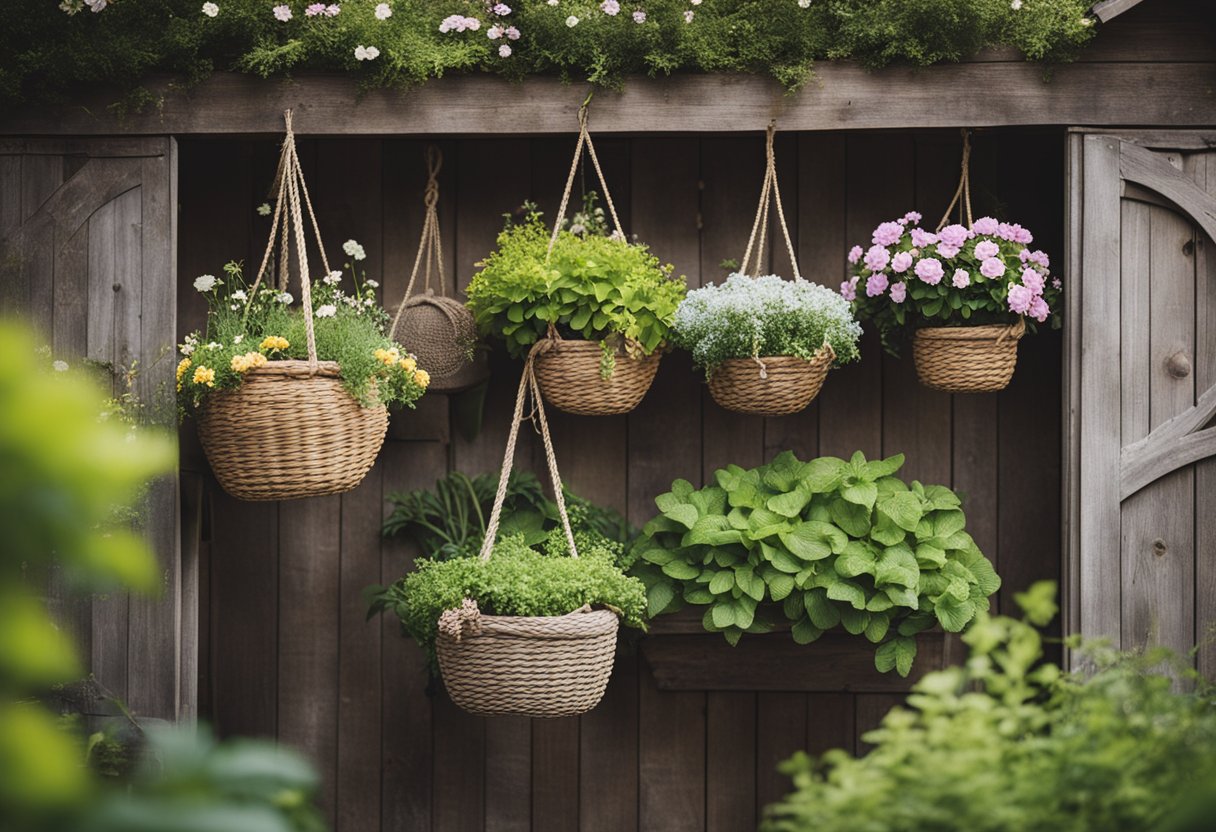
[
  {"x": 423, "y": 378},
  {"x": 246, "y": 362},
  {"x": 204, "y": 375},
  {"x": 274, "y": 343},
  {"x": 182, "y": 366},
  {"x": 387, "y": 357},
  {"x": 409, "y": 364}
]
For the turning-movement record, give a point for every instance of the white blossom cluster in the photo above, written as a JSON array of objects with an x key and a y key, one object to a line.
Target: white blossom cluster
[{"x": 764, "y": 316}]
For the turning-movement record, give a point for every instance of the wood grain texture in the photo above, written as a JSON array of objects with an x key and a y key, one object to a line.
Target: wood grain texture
[
  {"x": 843, "y": 95},
  {"x": 1205, "y": 471}
]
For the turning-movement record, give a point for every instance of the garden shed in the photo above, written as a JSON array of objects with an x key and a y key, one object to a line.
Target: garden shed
[{"x": 1092, "y": 468}]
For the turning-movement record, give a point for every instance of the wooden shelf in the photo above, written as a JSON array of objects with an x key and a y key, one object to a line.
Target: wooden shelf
[{"x": 683, "y": 656}]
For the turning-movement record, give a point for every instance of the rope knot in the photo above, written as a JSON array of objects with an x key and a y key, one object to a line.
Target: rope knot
[{"x": 460, "y": 621}]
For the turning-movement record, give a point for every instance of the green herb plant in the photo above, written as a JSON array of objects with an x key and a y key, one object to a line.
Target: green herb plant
[
  {"x": 591, "y": 287},
  {"x": 516, "y": 580},
  {"x": 817, "y": 545},
  {"x": 1009, "y": 743}
]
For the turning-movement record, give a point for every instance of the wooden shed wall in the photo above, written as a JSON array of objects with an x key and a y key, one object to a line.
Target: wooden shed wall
[{"x": 285, "y": 650}]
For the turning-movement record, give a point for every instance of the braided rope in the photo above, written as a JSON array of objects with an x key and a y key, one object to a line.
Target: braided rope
[
  {"x": 430, "y": 244},
  {"x": 584, "y": 139},
  {"x": 772, "y": 188},
  {"x": 963, "y": 190}
]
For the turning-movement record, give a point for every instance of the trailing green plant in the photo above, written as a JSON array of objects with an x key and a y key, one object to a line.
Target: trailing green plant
[
  {"x": 450, "y": 519},
  {"x": 817, "y": 545},
  {"x": 592, "y": 287},
  {"x": 1007, "y": 743},
  {"x": 750, "y": 317},
  {"x": 516, "y": 580},
  {"x": 50, "y": 53},
  {"x": 243, "y": 333}
]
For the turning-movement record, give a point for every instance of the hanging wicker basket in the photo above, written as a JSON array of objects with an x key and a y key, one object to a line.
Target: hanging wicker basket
[
  {"x": 439, "y": 331},
  {"x": 329, "y": 447},
  {"x": 770, "y": 386},
  {"x": 535, "y": 666},
  {"x": 291, "y": 429},
  {"x": 967, "y": 359},
  {"x": 569, "y": 376},
  {"x": 541, "y": 667}
]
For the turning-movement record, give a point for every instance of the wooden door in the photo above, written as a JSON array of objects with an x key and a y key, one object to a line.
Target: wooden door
[
  {"x": 87, "y": 256},
  {"x": 1141, "y": 376}
]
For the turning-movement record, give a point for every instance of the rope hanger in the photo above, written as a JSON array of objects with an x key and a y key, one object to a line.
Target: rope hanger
[
  {"x": 430, "y": 244},
  {"x": 760, "y": 224},
  {"x": 963, "y": 190}
]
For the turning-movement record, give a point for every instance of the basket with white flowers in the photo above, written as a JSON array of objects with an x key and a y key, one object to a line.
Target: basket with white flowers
[
  {"x": 291, "y": 399},
  {"x": 965, "y": 293}
]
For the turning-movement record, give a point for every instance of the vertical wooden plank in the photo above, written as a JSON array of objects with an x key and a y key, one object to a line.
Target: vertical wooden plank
[
  {"x": 782, "y": 720},
  {"x": 14, "y": 290},
  {"x": 41, "y": 176},
  {"x": 870, "y": 708},
  {"x": 1100, "y": 435},
  {"x": 407, "y": 780},
  {"x": 1205, "y": 470},
  {"x": 670, "y": 782},
  {"x": 1070, "y": 595}
]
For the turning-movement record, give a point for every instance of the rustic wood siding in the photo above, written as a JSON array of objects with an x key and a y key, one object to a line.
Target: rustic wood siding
[{"x": 285, "y": 648}]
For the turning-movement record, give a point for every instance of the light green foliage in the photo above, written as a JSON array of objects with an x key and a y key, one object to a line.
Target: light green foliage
[
  {"x": 593, "y": 287},
  {"x": 822, "y": 544},
  {"x": 450, "y": 519},
  {"x": 352, "y": 335},
  {"x": 516, "y": 580},
  {"x": 47, "y": 54},
  {"x": 1007, "y": 744}
]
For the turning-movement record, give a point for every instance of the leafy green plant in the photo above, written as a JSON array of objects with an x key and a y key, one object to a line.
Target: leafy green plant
[
  {"x": 515, "y": 580},
  {"x": 450, "y": 519},
  {"x": 1007, "y": 743},
  {"x": 244, "y": 333},
  {"x": 593, "y": 287},
  {"x": 818, "y": 545}
]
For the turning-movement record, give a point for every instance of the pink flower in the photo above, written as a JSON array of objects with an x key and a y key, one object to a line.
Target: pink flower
[
  {"x": 876, "y": 284},
  {"x": 610, "y": 7},
  {"x": 1056, "y": 284},
  {"x": 946, "y": 251},
  {"x": 504, "y": 51},
  {"x": 993, "y": 267},
  {"x": 930, "y": 271},
  {"x": 332, "y": 10},
  {"x": 639, "y": 16},
  {"x": 1033, "y": 281},
  {"x": 912, "y": 216},
  {"x": 1020, "y": 299},
  {"x": 848, "y": 289},
  {"x": 922, "y": 238},
  {"x": 1039, "y": 310},
  {"x": 953, "y": 235},
  {"x": 1022, "y": 235},
  {"x": 501, "y": 9},
  {"x": 899, "y": 291},
  {"x": 512, "y": 34},
  {"x": 877, "y": 258},
  {"x": 887, "y": 234},
  {"x": 855, "y": 254},
  {"x": 314, "y": 10},
  {"x": 282, "y": 13},
  {"x": 495, "y": 32},
  {"x": 985, "y": 249},
  {"x": 1039, "y": 258},
  {"x": 984, "y": 225},
  {"x": 961, "y": 279},
  {"x": 901, "y": 262}
]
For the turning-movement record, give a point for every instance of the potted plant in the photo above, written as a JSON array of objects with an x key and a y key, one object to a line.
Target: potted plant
[
  {"x": 817, "y": 545},
  {"x": 766, "y": 344},
  {"x": 516, "y": 629}
]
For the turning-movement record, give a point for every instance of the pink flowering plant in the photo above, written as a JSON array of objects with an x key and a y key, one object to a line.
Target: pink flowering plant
[{"x": 909, "y": 277}]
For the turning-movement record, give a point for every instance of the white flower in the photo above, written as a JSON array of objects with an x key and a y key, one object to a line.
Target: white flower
[
  {"x": 186, "y": 349},
  {"x": 96, "y": 5},
  {"x": 688, "y": 15},
  {"x": 214, "y": 346},
  {"x": 238, "y": 339},
  {"x": 372, "y": 283},
  {"x": 695, "y": 2},
  {"x": 284, "y": 297},
  {"x": 282, "y": 13},
  {"x": 804, "y": 4},
  {"x": 239, "y": 294},
  {"x": 1015, "y": 5},
  {"x": 1087, "y": 21},
  {"x": 206, "y": 282},
  {"x": 210, "y": 9},
  {"x": 327, "y": 311},
  {"x": 368, "y": 302},
  {"x": 383, "y": 12},
  {"x": 332, "y": 279},
  {"x": 60, "y": 366},
  {"x": 504, "y": 51},
  {"x": 353, "y": 249},
  {"x": 366, "y": 53},
  {"x": 571, "y": 21},
  {"x": 553, "y": 2},
  {"x": 495, "y": 32},
  {"x": 264, "y": 209}
]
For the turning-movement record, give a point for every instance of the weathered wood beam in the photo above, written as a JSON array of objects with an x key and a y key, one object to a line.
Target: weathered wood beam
[
  {"x": 840, "y": 96},
  {"x": 1108, "y": 10}
]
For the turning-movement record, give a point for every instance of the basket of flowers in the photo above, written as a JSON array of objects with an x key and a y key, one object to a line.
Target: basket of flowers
[
  {"x": 291, "y": 400},
  {"x": 766, "y": 344},
  {"x": 966, "y": 293},
  {"x": 602, "y": 305}
]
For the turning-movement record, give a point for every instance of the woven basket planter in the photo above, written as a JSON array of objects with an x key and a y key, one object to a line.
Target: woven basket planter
[
  {"x": 967, "y": 359},
  {"x": 569, "y": 376},
  {"x": 531, "y": 666},
  {"x": 784, "y": 384},
  {"x": 286, "y": 433},
  {"x": 439, "y": 331}
]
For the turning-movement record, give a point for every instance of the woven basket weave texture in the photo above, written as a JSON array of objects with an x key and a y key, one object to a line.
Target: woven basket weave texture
[
  {"x": 569, "y": 376},
  {"x": 285, "y": 433},
  {"x": 967, "y": 359},
  {"x": 787, "y": 385},
  {"x": 542, "y": 667},
  {"x": 439, "y": 331}
]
